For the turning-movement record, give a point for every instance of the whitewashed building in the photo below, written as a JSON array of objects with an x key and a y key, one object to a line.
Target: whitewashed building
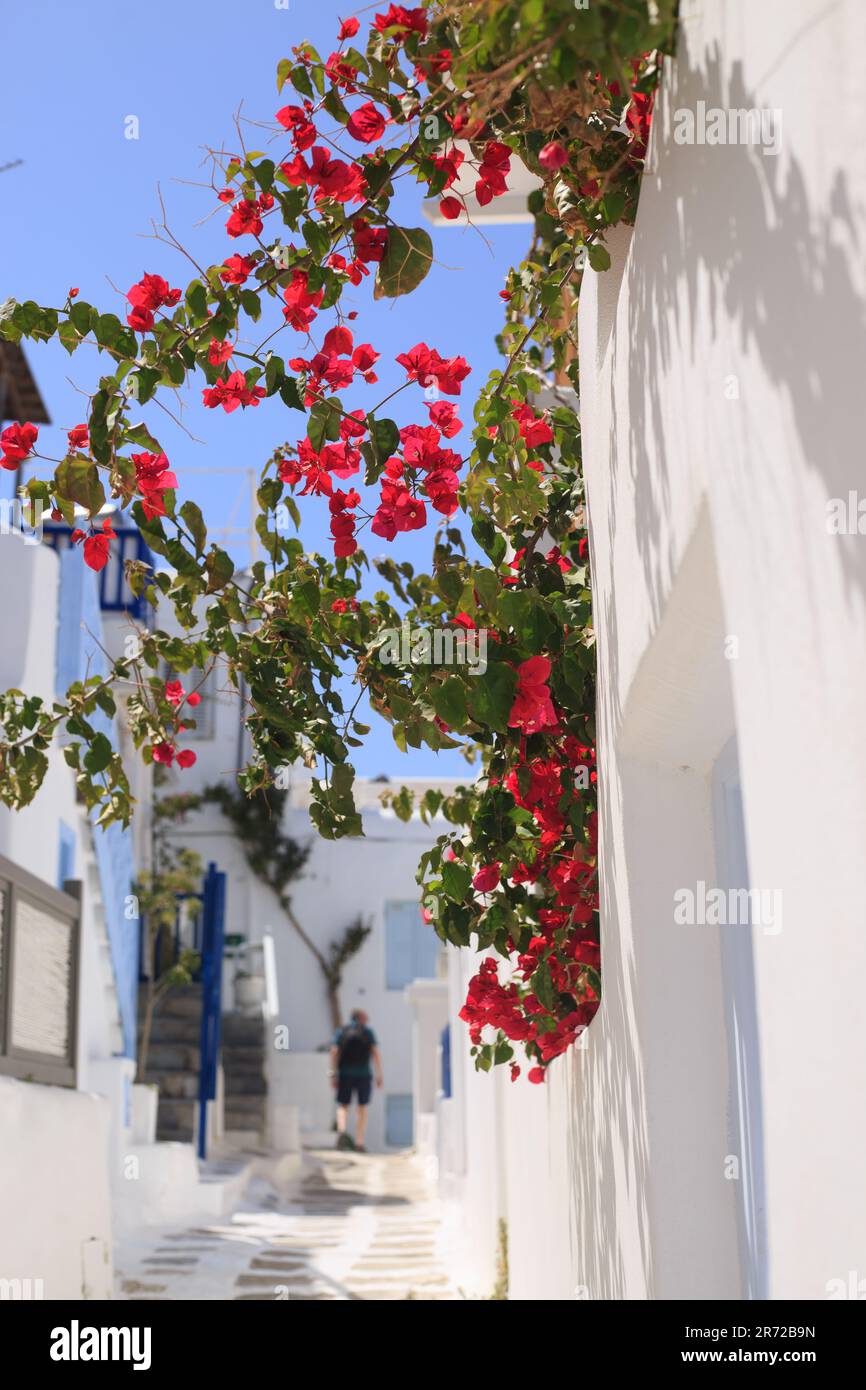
[{"x": 707, "y": 1141}]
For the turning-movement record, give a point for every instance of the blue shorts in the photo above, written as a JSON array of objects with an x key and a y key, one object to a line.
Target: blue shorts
[{"x": 360, "y": 1085}]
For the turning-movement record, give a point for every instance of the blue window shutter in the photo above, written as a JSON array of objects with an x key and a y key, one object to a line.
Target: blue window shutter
[
  {"x": 398, "y": 1121},
  {"x": 411, "y": 946},
  {"x": 399, "y": 944}
]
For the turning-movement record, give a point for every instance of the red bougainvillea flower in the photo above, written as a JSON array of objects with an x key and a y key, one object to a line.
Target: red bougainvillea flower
[
  {"x": 79, "y": 437},
  {"x": 186, "y": 757},
  {"x": 150, "y": 293},
  {"x": 494, "y": 166},
  {"x": 163, "y": 753},
  {"x": 533, "y": 710},
  {"x": 424, "y": 364},
  {"x": 434, "y": 62},
  {"x": 335, "y": 179},
  {"x": 296, "y": 120},
  {"x": 17, "y": 443},
  {"x": 231, "y": 393},
  {"x": 397, "y": 22},
  {"x": 193, "y": 699},
  {"x": 174, "y": 692},
  {"x": 341, "y": 72},
  {"x": 246, "y": 218},
  {"x": 443, "y": 416},
  {"x": 534, "y": 429},
  {"x": 344, "y": 605},
  {"x": 219, "y": 352},
  {"x": 487, "y": 878},
  {"x": 553, "y": 155},
  {"x": 236, "y": 270},
  {"x": 366, "y": 124},
  {"x": 638, "y": 117},
  {"x": 97, "y": 545},
  {"x": 369, "y": 242},
  {"x": 450, "y": 208},
  {"x": 348, "y": 28},
  {"x": 301, "y": 306},
  {"x": 73, "y": 293},
  {"x": 449, "y": 162},
  {"x": 536, "y": 1076},
  {"x": 153, "y": 477}
]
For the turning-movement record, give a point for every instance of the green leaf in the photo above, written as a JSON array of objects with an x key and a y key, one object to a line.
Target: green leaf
[
  {"x": 307, "y": 596},
  {"x": 598, "y": 256},
  {"x": 449, "y": 702},
  {"x": 191, "y": 514},
  {"x": 219, "y": 569},
  {"x": 456, "y": 880},
  {"x": 77, "y": 480},
  {"x": 542, "y": 987},
  {"x": 492, "y": 695},
  {"x": 289, "y": 393},
  {"x": 407, "y": 260},
  {"x": 99, "y": 754}
]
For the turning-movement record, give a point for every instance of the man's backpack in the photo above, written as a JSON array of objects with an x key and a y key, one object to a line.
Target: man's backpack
[{"x": 355, "y": 1046}]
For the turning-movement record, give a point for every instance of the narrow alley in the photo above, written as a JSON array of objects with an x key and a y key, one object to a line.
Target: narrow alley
[{"x": 350, "y": 1226}]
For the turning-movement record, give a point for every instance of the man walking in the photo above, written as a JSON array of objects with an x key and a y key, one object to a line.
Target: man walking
[{"x": 352, "y": 1051}]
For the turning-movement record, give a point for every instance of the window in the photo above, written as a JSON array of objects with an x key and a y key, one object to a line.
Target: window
[
  {"x": 39, "y": 947},
  {"x": 411, "y": 946}
]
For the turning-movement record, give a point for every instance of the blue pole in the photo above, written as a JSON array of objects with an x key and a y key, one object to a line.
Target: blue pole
[{"x": 213, "y": 936}]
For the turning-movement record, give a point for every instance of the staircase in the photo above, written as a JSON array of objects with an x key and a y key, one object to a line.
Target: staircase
[
  {"x": 173, "y": 1061},
  {"x": 173, "y": 1066},
  {"x": 243, "y": 1057}
]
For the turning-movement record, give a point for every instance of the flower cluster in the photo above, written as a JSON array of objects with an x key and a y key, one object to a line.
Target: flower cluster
[
  {"x": 165, "y": 751},
  {"x": 17, "y": 443},
  {"x": 148, "y": 295}
]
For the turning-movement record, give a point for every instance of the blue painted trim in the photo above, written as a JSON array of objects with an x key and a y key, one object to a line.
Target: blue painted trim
[{"x": 65, "y": 853}]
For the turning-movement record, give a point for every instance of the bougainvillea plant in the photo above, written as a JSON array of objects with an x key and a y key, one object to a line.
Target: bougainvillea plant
[{"x": 451, "y": 96}]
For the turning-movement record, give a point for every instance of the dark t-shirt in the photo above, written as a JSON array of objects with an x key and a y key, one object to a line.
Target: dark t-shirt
[{"x": 354, "y": 1045}]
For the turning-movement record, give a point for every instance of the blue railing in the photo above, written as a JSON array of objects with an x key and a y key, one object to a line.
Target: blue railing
[
  {"x": 78, "y": 655},
  {"x": 212, "y": 942},
  {"x": 115, "y": 595}
]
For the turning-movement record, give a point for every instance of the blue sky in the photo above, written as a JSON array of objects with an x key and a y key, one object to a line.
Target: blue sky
[{"x": 78, "y": 211}]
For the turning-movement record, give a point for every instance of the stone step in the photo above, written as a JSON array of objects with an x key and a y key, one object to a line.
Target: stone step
[
  {"x": 241, "y": 1031},
  {"x": 166, "y": 1057},
  {"x": 243, "y": 1060},
  {"x": 245, "y": 1084},
  {"x": 183, "y": 1001},
  {"x": 175, "y": 1085},
  {"x": 176, "y": 1115},
  {"x": 172, "y": 1028}
]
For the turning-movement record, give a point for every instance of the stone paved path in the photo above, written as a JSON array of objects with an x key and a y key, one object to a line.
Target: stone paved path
[{"x": 353, "y": 1226}]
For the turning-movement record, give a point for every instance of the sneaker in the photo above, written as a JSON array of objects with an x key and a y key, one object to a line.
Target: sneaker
[
  {"x": 359, "y": 1148},
  {"x": 345, "y": 1141}
]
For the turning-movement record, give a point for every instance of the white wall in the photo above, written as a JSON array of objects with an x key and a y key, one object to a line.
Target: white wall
[
  {"x": 721, "y": 408},
  {"x": 54, "y": 1203}
]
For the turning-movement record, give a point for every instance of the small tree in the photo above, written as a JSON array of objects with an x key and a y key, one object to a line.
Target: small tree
[{"x": 277, "y": 860}]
